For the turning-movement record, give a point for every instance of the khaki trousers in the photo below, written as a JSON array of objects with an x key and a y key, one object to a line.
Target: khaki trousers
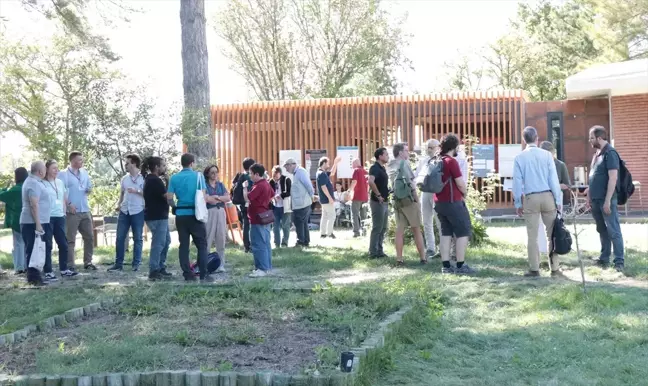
[
  {"x": 81, "y": 222},
  {"x": 328, "y": 219},
  {"x": 216, "y": 228},
  {"x": 537, "y": 206}
]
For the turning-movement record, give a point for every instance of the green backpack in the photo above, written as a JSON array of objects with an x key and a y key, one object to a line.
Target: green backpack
[{"x": 402, "y": 187}]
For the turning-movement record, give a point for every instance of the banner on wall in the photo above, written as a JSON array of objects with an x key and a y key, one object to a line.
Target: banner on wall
[
  {"x": 506, "y": 159},
  {"x": 483, "y": 159},
  {"x": 347, "y": 154},
  {"x": 285, "y": 154},
  {"x": 312, "y": 161}
]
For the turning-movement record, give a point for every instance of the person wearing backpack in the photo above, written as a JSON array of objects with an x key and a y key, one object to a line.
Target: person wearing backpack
[
  {"x": 406, "y": 204},
  {"x": 603, "y": 196},
  {"x": 451, "y": 208},
  {"x": 238, "y": 199},
  {"x": 427, "y": 199}
]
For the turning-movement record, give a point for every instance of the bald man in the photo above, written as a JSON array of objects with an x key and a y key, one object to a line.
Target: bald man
[
  {"x": 427, "y": 200},
  {"x": 35, "y": 216},
  {"x": 359, "y": 191}
]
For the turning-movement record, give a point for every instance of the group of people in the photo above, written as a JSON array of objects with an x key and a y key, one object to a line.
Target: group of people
[
  {"x": 539, "y": 180},
  {"x": 53, "y": 205}
]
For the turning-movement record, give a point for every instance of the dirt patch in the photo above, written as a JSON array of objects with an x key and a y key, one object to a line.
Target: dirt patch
[{"x": 215, "y": 342}]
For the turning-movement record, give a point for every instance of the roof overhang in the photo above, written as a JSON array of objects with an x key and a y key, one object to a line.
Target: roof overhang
[{"x": 612, "y": 79}]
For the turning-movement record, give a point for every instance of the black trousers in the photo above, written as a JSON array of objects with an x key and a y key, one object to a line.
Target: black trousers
[
  {"x": 246, "y": 227},
  {"x": 189, "y": 226}
]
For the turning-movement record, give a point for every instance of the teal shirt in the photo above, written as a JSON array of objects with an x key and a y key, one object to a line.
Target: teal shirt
[
  {"x": 184, "y": 185},
  {"x": 56, "y": 190}
]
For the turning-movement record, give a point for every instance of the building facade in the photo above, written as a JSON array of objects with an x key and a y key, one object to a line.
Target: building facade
[{"x": 614, "y": 96}]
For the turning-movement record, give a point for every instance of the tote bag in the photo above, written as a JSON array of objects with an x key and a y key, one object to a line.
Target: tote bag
[
  {"x": 202, "y": 214},
  {"x": 37, "y": 259}
]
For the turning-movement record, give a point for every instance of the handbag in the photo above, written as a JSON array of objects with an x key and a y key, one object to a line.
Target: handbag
[
  {"x": 266, "y": 217},
  {"x": 37, "y": 258},
  {"x": 200, "y": 206}
]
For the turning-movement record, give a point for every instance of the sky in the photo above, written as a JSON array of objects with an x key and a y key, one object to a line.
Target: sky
[{"x": 150, "y": 43}]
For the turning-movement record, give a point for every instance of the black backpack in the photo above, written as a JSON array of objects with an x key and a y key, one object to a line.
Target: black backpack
[
  {"x": 561, "y": 240},
  {"x": 237, "y": 190},
  {"x": 625, "y": 188}
]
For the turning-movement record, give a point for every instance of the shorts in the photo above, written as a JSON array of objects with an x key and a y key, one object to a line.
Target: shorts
[
  {"x": 408, "y": 216},
  {"x": 454, "y": 218}
]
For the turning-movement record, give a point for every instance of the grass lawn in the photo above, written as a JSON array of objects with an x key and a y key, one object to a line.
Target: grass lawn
[{"x": 495, "y": 328}]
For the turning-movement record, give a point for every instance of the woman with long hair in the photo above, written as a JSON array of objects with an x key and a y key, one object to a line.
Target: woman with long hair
[
  {"x": 58, "y": 198},
  {"x": 217, "y": 197},
  {"x": 156, "y": 215}
]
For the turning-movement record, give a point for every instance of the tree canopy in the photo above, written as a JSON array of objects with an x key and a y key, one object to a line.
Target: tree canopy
[
  {"x": 548, "y": 42},
  {"x": 289, "y": 49}
]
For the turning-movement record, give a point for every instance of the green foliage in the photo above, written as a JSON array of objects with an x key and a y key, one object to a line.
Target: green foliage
[
  {"x": 567, "y": 36},
  {"x": 103, "y": 199},
  {"x": 311, "y": 48}
]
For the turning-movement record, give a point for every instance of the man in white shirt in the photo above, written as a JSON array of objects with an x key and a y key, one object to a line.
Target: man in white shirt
[{"x": 131, "y": 213}]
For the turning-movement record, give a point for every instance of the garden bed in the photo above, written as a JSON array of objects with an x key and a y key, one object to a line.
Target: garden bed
[{"x": 207, "y": 328}]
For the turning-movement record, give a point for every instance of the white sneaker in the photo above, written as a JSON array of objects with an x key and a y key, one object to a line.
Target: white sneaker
[
  {"x": 69, "y": 273},
  {"x": 50, "y": 277},
  {"x": 258, "y": 273}
]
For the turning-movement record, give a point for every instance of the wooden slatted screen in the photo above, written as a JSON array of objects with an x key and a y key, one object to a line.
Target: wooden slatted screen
[{"x": 261, "y": 129}]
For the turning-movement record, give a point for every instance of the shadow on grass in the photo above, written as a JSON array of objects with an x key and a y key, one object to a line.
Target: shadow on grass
[{"x": 525, "y": 333}]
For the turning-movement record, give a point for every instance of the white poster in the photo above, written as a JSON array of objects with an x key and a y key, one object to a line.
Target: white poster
[
  {"x": 348, "y": 154},
  {"x": 285, "y": 154},
  {"x": 506, "y": 157}
]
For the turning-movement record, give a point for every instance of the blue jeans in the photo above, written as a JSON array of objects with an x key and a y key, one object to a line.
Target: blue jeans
[
  {"x": 160, "y": 241},
  {"x": 260, "y": 244},
  {"x": 18, "y": 252},
  {"x": 281, "y": 222},
  {"x": 609, "y": 231},
  {"x": 59, "y": 235},
  {"x": 124, "y": 223},
  {"x": 300, "y": 219}
]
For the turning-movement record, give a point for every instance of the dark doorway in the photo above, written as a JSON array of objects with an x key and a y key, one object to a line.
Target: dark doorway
[{"x": 555, "y": 126}]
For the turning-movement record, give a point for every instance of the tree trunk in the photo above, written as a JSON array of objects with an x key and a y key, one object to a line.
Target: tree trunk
[{"x": 197, "y": 132}]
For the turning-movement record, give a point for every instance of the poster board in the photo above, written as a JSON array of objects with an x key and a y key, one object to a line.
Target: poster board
[
  {"x": 312, "y": 161},
  {"x": 483, "y": 159},
  {"x": 506, "y": 159},
  {"x": 348, "y": 154},
  {"x": 285, "y": 154}
]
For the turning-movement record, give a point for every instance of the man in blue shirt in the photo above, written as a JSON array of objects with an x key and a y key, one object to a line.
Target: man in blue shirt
[
  {"x": 536, "y": 182},
  {"x": 79, "y": 216},
  {"x": 604, "y": 173},
  {"x": 183, "y": 186}
]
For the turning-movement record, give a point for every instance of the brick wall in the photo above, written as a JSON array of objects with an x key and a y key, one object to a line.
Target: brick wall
[
  {"x": 578, "y": 116},
  {"x": 630, "y": 134}
]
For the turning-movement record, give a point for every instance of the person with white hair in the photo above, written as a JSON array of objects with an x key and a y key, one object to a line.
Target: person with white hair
[
  {"x": 35, "y": 216},
  {"x": 427, "y": 200}
]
